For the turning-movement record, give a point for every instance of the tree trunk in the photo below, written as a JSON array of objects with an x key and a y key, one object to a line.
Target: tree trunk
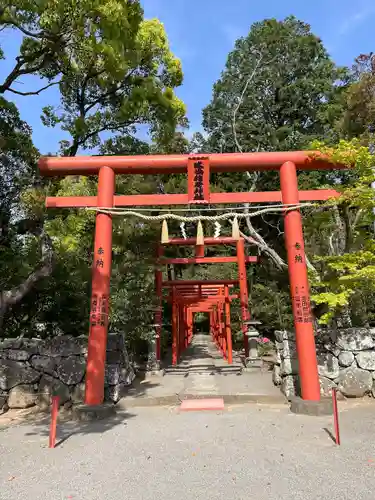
[{"x": 13, "y": 296}]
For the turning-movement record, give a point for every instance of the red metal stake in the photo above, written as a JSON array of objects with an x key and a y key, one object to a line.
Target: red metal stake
[
  {"x": 336, "y": 415},
  {"x": 299, "y": 286},
  {"x": 54, "y": 413},
  {"x": 101, "y": 275}
]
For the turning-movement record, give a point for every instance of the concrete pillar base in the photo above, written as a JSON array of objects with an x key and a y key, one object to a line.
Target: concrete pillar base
[
  {"x": 253, "y": 363},
  {"x": 89, "y": 413},
  {"x": 157, "y": 372},
  {"x": 313, "y": 408}
]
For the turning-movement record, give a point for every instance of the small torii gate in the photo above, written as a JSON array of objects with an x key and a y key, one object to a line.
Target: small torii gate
[
  {"x": 240, "y": 259},
  {"x": 198, "y": 169}
]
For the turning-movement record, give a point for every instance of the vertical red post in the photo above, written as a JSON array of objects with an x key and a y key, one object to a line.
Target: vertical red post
[
  {"x": 244, "y": 300},
  {"x": 227, "y": 325},
  {"x": 181, "y": 329},
  {"x": 174, "y": 328},
  {"x": 186, "y": 323},
  {"x": 212, "y": 324},
  {"x": 190, "y": 324},
  {"x": 336, "y": 415},
  {"x": 199, "y": 250},
  {"x": 101, "y": 275},
  {"x": 216, "y": 325},
  {"x": 222, "y": 332},
  {"x": 178, "y": 340},
  {"x": 54, "y": 413},
  {"x": 299, "y": 285},
  {"x": 159, "y": 305}
]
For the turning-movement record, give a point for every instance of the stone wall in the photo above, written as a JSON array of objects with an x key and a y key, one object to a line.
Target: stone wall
[
  {"x": 32, "y": 370},
  {"x": 346, "y": 360}
]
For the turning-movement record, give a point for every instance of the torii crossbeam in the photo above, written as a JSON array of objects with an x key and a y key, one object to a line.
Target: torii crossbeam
[{"x": 198, "y": 169}]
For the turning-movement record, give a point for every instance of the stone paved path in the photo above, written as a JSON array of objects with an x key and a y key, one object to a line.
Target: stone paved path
[
  {"x": 203, "y": 372},
  {"x": 244, "y": 453}
]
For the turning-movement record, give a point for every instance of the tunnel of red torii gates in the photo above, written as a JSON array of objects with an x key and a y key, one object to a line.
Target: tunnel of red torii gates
[
  {"x": 213, "y": 297},
  {"x": 212, "y": 300}
]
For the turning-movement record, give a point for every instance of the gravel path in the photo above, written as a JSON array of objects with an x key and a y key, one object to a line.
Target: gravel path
[{"x": 248, "y": 452}]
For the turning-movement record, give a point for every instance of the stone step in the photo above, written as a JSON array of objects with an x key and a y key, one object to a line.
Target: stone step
[{"x": 204, "y": 369}]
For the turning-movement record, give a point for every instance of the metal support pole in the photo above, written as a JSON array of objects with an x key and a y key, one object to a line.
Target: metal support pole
[
  {"x": 227, "y": 326},
  {"x": 53, "y": 425},
  {"x": 245, "y": 315},
  {"x": 336, "y": 416},
  {"x": 299, "y": 285},
  {"x": 101, "y": 275}
]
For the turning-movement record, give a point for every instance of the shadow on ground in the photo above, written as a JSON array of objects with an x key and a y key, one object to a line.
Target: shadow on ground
[
  {"x": 139, "y": 388},
  {"x": 37, "y": 421},
  {"x": 66, "y": 428}
]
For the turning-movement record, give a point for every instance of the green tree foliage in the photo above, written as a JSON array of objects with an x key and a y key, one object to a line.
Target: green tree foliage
[
  {"x": 345, "y": 267},
  {"x": 275, "y": 92},
  {"x": 115, "y": 72},
  {"x": 279, "y": 91},
  {"x": 358, "y": 119},
  {"x": 120, "y": 82},
  {"x": 25, "y": 249},
  {"x": 55, "y": 32},
  {"x": 114, "y": 69}
]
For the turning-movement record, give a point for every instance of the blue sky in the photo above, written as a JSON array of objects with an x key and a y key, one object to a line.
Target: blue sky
[{"x": 202, "y": 32}]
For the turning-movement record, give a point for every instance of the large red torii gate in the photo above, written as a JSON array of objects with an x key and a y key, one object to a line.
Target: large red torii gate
[{"x": 198, "y": 169}]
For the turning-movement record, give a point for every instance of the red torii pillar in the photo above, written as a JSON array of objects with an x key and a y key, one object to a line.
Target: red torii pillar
[
  {"x": 228, "y": 330},
  {"x": 244, "y": 299},
  {"x": 101, "y": 275},
  {"x": 159, "y": 305},
  {"x": 299, "y": 285}
]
